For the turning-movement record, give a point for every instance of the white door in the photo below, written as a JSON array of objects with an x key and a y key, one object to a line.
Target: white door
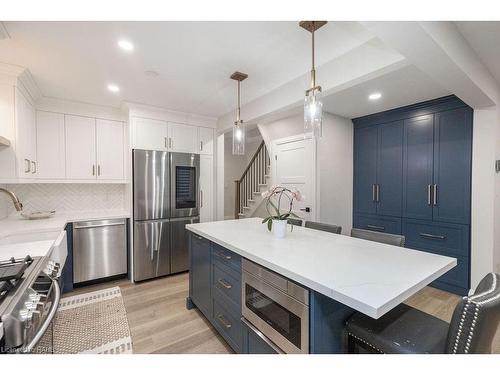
[
  {"x": 183, "y": 138},
  {"x": 206, "y": 143},
  {"x": 80, "y": 147},
  {"x": 50, "y": 150},
  {"x": 25, "y": 136},
  {"x": 294, "y": 167},
  {"x": 110, "y": 158},
  {"x": 206, "y": 188},
  {"x": 149, "y": 134}
]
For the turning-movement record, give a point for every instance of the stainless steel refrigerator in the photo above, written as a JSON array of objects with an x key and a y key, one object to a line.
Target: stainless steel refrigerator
[{"x": 166, "y": 198}]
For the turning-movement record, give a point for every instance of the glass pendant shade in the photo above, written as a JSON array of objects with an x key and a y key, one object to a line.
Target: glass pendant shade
[
  {"x": 239, "y": 138},
  {"x": 313, "y": 113}
]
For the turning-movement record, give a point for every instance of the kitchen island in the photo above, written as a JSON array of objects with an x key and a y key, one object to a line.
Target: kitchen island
[{"x": 342, "y": 275}]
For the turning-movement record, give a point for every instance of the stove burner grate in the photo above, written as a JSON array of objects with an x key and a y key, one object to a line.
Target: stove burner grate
[{"x": 13, "y": 269}]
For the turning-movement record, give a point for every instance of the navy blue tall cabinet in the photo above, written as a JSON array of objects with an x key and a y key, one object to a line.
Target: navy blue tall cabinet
[{"x": 412, "y": 176}]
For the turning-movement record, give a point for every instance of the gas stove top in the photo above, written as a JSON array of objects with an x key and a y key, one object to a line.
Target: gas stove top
[
  {"x": 29, "y": 295},
  {"x": 11, "y": 271}
]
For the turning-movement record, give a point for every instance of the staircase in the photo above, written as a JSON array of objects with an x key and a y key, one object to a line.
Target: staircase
[{"x": 252, "y": 183}]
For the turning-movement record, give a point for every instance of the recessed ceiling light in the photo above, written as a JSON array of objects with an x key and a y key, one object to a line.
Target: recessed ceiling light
[
  {"x": 151, "y": 73},
  {"x": 113, "y": 88},
  {"x": 375, "y": 96},
  {"x": 126, "y": 45}
]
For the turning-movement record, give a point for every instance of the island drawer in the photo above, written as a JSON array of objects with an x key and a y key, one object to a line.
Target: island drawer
[
  {"x": 227, "y": 281},
  {"x": 227, "y": 257},
  {"x": 228, "y": 324}
]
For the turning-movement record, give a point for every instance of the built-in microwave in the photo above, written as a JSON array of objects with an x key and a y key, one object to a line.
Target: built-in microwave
[{"x": 277, "y": 307}]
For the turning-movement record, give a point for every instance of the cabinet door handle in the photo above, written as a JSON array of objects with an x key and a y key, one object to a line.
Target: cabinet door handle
[
  {"x": 429, "y": 194},
  {"x": 435, "y": 195},
  {"x": 378, "y": 193},
  {"x": 27, "y": 166},
  {"x": 373, "y": 193},
  {"x": 93, "y": 169},
  {"x": 170, "y": 142},
  {"x": 33, "y": 163},
  {"x": 165, "y": 141},
  {"x": 223, "y": 320},
  {"x": 201, "y": 145},
  {"x": 201, "y": 198},
  {"x": 433, "y": 236},
  {"x": 223, "y": 256},
  {"x": 99, "y": 170},
  {"x": 376, "y": 227},
  {"x": 224, "y": 283}
]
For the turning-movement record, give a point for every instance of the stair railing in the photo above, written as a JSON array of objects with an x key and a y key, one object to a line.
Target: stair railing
[{"x": 252, "y": 178}]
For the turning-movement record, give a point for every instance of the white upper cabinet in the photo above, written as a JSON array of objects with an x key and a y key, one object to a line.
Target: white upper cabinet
[
  {"x": 149, "y": 134},
  {"x": 50, "y": 150},
  {"x": 183, "y": 138},
  {"x": 25, "y": 136},
  {"x": 206, "y": 141},
  {"x": 80, "y": 147},
  {"x": 110, "y": 150}
]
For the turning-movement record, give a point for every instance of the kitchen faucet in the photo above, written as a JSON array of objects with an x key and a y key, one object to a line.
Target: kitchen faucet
[{"x": 18, "y": 205}]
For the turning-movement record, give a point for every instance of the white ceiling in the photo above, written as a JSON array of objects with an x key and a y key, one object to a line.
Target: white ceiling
[
  {"x": 484, "y": 38},
  {"x": 405, "y": 86},
  {"x": 76, "y": 60}
]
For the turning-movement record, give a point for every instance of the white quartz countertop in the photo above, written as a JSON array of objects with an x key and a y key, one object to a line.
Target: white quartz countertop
[
  {"x": 39, "y": 235},
  {"x": 368, "y": 276}
]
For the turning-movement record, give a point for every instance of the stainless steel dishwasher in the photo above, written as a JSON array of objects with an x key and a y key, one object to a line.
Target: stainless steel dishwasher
[{"x": 99, "y": 249}]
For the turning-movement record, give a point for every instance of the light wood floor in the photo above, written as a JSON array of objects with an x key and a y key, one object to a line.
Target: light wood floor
[{"x": 160, "y": 323}]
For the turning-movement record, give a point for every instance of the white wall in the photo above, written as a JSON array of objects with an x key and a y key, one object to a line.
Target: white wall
[
  {"x": 483, "y": 193},
  {"x": 497, "y": 200},
  {"x": 335, "y": 154},
  {"x": 66, "y": 197},
  {"x": 335, "y": 163},
  {"x": 220, "y": 178}
]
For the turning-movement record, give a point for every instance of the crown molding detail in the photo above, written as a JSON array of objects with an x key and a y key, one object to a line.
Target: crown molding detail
[{"x": 30, "y": 85}]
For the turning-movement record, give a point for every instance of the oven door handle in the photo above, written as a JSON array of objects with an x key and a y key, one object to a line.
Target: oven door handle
[
  {"x": 262, "y": 337},
  {"x": 53, "y": 309}
]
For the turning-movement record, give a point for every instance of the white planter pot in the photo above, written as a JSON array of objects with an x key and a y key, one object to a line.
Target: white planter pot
[{"x": 279, "y": 228}]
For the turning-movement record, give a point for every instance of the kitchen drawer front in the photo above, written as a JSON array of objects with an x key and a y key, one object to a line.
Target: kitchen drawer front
[
  {"x": 227, "y": 281},
  {"x": 444, "y": 239},
  {"x": 385, "y": 224},
  {"x": 455, "y": 280},
  {"x": 226, "y": 257},
  {"x": 228, "y": 324}
]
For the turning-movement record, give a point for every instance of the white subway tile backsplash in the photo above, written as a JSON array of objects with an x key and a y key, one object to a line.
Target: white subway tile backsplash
[{"x": 67, "y": 197}]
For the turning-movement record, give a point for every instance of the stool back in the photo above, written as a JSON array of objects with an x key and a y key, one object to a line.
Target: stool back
[
  {"x": 387, "y": 238},
  {"x": 337, "y": 229},
  {"x": 476, "y": 318},
  {"x": 296, "y": 222}
]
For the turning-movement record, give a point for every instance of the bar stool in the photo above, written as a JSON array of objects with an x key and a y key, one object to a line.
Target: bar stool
[
  {"x": 387, "y": 238},
  {"x": 324, "y": 227},
  {"x": 407, "y": 330},
  {"x": 296, "y": 222}
]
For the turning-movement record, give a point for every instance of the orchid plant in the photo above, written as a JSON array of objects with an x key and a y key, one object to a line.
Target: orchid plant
[{"x": 275, "y": 211}]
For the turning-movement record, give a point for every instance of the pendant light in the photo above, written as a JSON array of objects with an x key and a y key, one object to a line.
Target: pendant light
[
  {"x": 239, "y": 128},
  {"x": 313, "y": 107}
]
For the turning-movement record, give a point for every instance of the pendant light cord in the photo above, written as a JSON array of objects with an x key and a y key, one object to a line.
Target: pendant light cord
[
  {"x": 313, "y": 70},
  {"x": 238, "y": 110}
]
